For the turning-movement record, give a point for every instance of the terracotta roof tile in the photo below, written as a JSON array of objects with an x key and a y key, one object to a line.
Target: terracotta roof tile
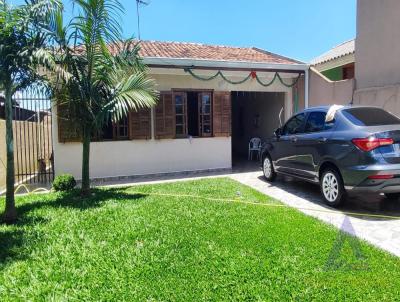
[{"x": 210, "y": 52}]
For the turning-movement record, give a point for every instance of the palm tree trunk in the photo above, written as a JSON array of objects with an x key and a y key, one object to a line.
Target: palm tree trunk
[
  {"x": 10, "y": 212},
  {"x": 85, "y": 190}
]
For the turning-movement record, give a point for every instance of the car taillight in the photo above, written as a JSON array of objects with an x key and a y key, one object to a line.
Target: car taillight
[
  {"x": 370, "y": 143},
  {"x": 381, "y": 176}
]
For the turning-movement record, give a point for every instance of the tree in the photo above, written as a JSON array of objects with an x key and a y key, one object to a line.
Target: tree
[
  {"x": 21, "y": 48},
  {"x": 103, "y": 78}
]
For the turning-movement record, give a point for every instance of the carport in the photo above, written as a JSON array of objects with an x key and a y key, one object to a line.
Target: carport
[{"x": 254, "y": 114}]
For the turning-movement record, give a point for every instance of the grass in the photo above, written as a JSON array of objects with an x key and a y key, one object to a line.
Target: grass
[{"x": 125, "y": 246}]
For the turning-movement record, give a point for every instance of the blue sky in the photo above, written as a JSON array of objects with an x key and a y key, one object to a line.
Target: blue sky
[{"x": 301, "y": 29}]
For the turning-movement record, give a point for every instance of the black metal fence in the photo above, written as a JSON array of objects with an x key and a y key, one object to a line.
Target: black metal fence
[{"x": 33, "y": 144}]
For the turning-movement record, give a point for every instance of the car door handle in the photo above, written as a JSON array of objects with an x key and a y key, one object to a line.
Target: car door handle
[
  {"x": 293, "y": 139},
  {"x": 322, "y": 139}
]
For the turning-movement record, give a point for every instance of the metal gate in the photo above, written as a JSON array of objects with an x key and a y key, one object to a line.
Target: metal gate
[{"x": 33, "y": 143}]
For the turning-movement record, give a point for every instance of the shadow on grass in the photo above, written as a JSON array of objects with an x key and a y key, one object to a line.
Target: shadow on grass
[
  {"x": 74, "y": 200},
  {"x": 13, "y": 237},
  {"x": 10, "y": 242}
]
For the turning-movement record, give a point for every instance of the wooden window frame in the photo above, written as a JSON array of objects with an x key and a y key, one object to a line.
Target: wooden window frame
[
  {"x": 184, "y": 116},
  {"x": 176, "y": 91},
  {"x": 116, "y": 129},
  {"x": 116, "y": 137},
  {"x": 201, "y": 114}
]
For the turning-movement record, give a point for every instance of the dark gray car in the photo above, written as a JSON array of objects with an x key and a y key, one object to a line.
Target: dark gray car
[{"x": 356, "y": 150}]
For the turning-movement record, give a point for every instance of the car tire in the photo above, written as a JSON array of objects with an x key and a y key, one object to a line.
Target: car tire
[
  {"x": 332, "y": 188},
  {"x": 268, "y": 169},
  {"x": 392, "y": 196}
]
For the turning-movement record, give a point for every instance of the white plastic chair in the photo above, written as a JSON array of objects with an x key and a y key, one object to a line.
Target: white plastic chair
[{"x": 254, "y": 146}]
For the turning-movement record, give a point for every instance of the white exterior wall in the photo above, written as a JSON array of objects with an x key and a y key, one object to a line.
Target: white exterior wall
[{"x": 139, "y": 157}]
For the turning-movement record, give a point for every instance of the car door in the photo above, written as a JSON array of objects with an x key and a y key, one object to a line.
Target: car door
[
  {"x": 311, "y": 144},
  {"x": 285, "y": 152}
]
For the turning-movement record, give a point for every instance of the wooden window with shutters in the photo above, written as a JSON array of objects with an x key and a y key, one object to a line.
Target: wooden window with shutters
[
  {"x": 180, "y": 114},
  {"x": 222, "y": 113},
  {"x": 113, "y": 131},
  {"x": 67, "y": 129},
  {"x": 165, "y": 116},
  {"x": 121, "y": 129},
  {"x": 140, "y": 124}
]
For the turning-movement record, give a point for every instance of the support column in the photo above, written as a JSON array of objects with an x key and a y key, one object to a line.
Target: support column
[{"x": 306, "y": 88}]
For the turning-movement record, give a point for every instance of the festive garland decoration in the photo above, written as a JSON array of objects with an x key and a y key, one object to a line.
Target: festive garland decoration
[
  {"x": 269, "y": 83},
  {"x": 252, "y": 74}
]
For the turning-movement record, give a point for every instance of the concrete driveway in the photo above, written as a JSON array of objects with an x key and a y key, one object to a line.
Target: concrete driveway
[{"x": 381, "y": 232}]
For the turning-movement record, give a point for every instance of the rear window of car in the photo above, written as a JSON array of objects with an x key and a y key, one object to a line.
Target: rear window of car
[{"x": 370, "y": 117}]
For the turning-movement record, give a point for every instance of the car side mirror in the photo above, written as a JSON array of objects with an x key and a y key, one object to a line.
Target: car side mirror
[{"x": 278, "y": 132}]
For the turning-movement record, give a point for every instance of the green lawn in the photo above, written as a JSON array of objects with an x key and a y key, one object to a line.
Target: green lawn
[{"x": 125, "y": 246}]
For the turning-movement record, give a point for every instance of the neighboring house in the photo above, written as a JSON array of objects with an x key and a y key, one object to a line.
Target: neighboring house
[
  {"x": 377, "y": 54},
  {"x": 338, "y": 63},
  {"x": 203, "y": 121}
]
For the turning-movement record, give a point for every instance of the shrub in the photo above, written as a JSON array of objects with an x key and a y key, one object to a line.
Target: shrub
[{"x": 64, "y": 182}]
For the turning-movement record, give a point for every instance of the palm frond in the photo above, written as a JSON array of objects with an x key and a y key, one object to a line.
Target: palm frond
[{"x": 132, "y": 93}]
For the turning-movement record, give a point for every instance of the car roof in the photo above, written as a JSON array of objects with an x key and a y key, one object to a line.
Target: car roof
[{"x": 326, "y": 108}]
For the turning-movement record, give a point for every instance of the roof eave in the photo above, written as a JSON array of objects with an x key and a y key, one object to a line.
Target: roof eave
[{"x": 161, "y": 62}]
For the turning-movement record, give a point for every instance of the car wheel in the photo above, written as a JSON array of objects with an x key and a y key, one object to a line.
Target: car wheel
[
  {"x": 392, "y": 196},
  {"x": 268, "y": 169},
  {"x": 332, "y": 188}
]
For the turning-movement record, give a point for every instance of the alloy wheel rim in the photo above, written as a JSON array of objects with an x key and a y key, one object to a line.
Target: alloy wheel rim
[
  {"x": 267, "y": 167},
  {"x": 330, "y": 187}
]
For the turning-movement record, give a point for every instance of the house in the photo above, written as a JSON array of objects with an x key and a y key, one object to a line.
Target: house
[
  {"x": 213, "y": 99},
  {"x": 338, "y": 63}
]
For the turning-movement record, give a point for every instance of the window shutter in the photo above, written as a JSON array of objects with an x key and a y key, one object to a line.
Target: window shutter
[
  {"x": 222, "y": 113},
  {"x": 140, "y": 124},
  {"x": 67, "y": 130},
  {"x": 165, "y": 116}
]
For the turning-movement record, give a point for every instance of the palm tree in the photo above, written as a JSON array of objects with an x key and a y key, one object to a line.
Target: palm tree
[
  {"x": 21, "y": 48},
  {"x": 103, "y": 77}
]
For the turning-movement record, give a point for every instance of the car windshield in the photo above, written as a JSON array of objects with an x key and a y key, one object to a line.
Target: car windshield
[{"x": 370, "y": 117}]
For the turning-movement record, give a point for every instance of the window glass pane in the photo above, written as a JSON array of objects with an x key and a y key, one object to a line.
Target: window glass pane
[
  {"x": 179, "y": 109},
  {"x": 206, "y": 119},
  {"x": 206, "y": 99},
  {"x": 370, "y": 117},
  {"x": 206, "y": 129},
  {"x": 206, "y": 109},
  {"x": 179, "y": 119},
  {"x": 179, "y": 130},
  {"x": 315, "y": 122},
  {"x": 294, "y": 125},
  {"x": 178, "y": 100}
]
